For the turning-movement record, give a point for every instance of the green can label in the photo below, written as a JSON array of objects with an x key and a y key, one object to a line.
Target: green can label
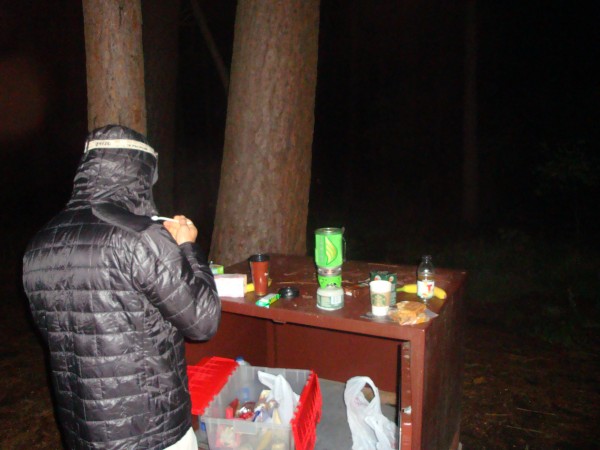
[{"x": 329, "y": 250}]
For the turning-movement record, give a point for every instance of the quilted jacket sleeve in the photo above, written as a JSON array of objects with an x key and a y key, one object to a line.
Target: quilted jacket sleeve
[{"x": 177, "y": 280}]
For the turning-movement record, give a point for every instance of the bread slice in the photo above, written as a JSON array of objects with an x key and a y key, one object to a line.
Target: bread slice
[
  {"x": 414, "y": 308},
  {"x": 409, "y": 312}
]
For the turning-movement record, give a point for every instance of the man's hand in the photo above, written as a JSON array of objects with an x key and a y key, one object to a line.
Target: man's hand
[{"x": 183, "y": 230}]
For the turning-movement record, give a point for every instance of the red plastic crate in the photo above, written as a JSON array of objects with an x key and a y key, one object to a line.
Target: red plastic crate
[
  {"x": 207, "y": 378},
  {"x": 308, "y": 414}
]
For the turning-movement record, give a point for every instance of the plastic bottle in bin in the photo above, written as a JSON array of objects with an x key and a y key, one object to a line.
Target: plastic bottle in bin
[
  {"x": 202, "y": 437},
  {"x": 425, "y": 278},
  {"x": 241, "y": 361}
]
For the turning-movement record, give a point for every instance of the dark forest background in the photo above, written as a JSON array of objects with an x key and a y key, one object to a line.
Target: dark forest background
[{"x": 388, "y": 140}]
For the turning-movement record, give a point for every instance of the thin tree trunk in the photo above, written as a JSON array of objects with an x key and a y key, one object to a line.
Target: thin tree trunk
[
  {"x": 471, "y": 157},
  {"x": 265, "y": 175},
  {"x": 114, "y": 63},
  {"x": 161, "y": 38}
]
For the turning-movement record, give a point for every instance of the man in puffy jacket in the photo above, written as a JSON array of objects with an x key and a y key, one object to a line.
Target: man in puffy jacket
[{"x": 113, "y": 294}]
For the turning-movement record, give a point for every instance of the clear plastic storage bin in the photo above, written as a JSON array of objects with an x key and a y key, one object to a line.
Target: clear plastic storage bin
[{"x": 243, "y": 384}]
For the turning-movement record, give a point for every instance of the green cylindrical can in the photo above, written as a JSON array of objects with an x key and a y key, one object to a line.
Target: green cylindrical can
[{"x": 329, "y": 247}]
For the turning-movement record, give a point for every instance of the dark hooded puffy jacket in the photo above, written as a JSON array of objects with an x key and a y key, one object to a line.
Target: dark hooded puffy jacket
[{"x": 113, "y": 295}]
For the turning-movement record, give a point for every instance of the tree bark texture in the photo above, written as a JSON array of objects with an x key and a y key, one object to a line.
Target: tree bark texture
[
  {"x": 265, "y": 175},
  {"x": 161, "y": 38},
  {"x": 114, "y": 63}
]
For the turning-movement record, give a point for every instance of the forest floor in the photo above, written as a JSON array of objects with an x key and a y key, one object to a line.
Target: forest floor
[{"x": 518, "y": 392}]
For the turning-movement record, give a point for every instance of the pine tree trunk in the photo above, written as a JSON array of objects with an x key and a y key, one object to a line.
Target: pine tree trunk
[
  {"x": 265, "y": 175},
  {"x": 161, "y": 38},
  {"x": 114, "y": 63}
]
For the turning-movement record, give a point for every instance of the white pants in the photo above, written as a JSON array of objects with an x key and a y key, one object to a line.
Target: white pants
[{"x": 187, "y": 442}]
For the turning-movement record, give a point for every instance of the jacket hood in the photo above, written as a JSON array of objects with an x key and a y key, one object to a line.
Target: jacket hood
[{"x": 119, "y": 167}]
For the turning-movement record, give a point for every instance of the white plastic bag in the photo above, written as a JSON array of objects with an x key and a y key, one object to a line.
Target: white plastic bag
[
  {"x": 370, "y": 428},
  {"x": 282, "y": 393}
]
